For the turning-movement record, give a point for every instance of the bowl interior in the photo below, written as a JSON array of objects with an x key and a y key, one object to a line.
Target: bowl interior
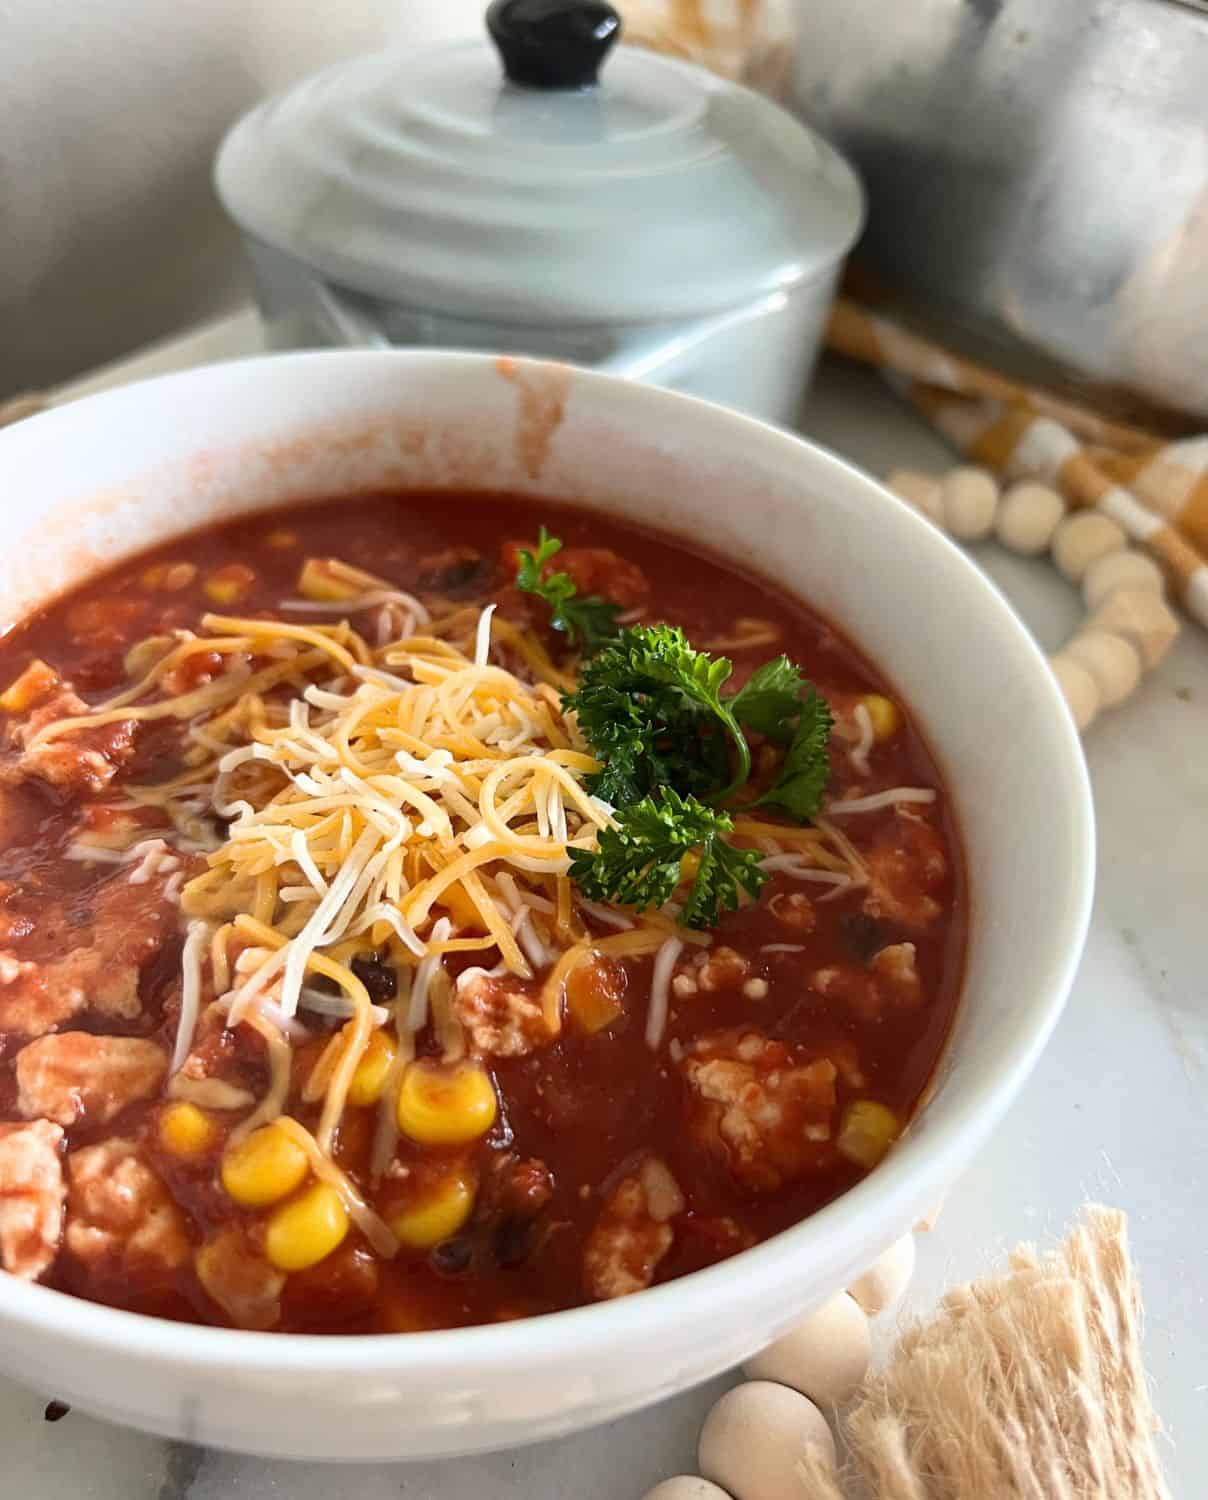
[{"x": 128, "y": 469}]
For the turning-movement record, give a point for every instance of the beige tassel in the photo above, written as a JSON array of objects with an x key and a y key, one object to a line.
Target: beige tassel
[{"x": 1028, "y": 1387}]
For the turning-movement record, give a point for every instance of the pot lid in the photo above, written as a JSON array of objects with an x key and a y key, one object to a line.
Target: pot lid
[{"x": 518, "y": 184}]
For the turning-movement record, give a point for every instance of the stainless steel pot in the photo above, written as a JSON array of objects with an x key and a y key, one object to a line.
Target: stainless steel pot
[{"x": 1037, "y": 173}]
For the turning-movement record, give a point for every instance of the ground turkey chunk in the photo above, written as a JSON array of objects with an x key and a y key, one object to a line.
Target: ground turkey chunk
[
  {"x": 504, "y": 1018},
  {"x": 761, "y": 1106},
  {"x": 120, "y": 1217},
  {"x": 891, "y": 982},
  {"x": 76, "y": 1075},
  {"x": 83, "y": 760},
  {"x": 239, "y": 1279},
  {"x": 907, "y": 868},
  {"x": 103, "y": 949},
  {"x": 723, "y": 969},
  {"x": 633, "y": 1232},
  {"x": 31, "y": 1197}
]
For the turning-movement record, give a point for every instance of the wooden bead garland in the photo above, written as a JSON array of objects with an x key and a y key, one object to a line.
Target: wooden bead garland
[
  {"x": 1082, "y": 539},
  {"x": 968, "y": 500},
  {"x": 1112, "y": 661},
  {"x": 1027, "y": 518},
  {"x": 755, "y": 1435},
  {"x": 825, "y": 1357},
  {"x": 686, "y": 1487},
  {"x": 1129, "y": 627},
  {"x": 885, "y": 1281}
]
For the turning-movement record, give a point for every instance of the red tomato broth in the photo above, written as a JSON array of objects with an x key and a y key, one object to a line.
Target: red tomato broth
[{"x": 585, "y": 1106}]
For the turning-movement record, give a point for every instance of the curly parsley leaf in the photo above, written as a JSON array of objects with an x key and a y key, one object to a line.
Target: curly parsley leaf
[
  {"x": 650, "y": 707},
  {"x": 723, "y": 869},
  {"x": 803, "y": 775},
  {"x": 771, "y": 699},
  {"x": 641, "y": 861},
  {"x": 586, "y": 622}
]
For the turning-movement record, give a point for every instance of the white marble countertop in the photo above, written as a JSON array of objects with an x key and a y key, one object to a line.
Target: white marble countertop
[{"x": 1117, "y": 1110}]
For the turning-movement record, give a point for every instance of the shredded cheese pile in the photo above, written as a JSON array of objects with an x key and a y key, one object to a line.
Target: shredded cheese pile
[{"x": 413, "y": 799}]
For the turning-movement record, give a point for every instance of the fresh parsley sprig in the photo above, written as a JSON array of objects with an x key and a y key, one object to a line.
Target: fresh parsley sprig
[
  {"x": 650, "y": 707},
  {"x": 587, "y": 622},
  {"x": 804, "y": 771},
  {"x": 657, "y": 843},
  {"x": 672, "y": 747}
]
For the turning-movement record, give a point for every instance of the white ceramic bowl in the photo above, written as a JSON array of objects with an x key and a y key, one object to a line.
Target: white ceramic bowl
[{"x": 86, "y": 484}]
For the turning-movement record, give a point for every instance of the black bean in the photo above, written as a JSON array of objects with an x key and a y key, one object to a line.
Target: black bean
[
  {"x": 513, "y": 1241},
  {"x": 864, "y": 935},
  {"x": 454, "y": 568},
  {"x": 461, "y": 573},
  {"x": 56, "y": 1411},
  {"x": 378, "y": 978},
  {"x": 452, "y": 1257}
]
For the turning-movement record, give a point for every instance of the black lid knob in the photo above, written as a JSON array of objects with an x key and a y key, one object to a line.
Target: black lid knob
[{"x": 553, "y": 44}]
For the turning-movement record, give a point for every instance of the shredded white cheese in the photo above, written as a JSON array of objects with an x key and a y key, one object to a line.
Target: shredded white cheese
[
  {"x": 660, "y": 991},
  {"x": 858, "y": 754},
  {"x": 196, "y": 942},
  {"x": 878, "y": 800}
]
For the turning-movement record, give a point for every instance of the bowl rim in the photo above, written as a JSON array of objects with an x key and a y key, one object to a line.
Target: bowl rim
[{"x": 909, "y": 1179}]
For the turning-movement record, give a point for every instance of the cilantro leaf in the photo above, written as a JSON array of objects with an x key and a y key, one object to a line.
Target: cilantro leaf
[
  {"x": 640, "y": 861},
  {"x": 652, "y": 703},
  {"x": 803, "y": 775},
  {"x": 771, "y": 699},
  {"x": 586, "y": 622}
]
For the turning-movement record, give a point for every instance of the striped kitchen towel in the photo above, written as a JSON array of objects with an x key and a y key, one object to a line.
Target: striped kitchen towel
[{"x": 1156, "y": 489}]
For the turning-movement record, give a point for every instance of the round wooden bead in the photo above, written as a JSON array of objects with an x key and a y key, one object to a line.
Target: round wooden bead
[
  {"x": 968, "y": 500},
  {"x": 1140, "y": 617},
  {"x": 754, "y": 1436},
  {"x": 886, "y": 1279},
  {"x": 1027, "y": 517},
  {"x": 1079, "y": 689},
  {"x": 686, "y": 1487},
  {"x": 1120, "y": 570},
  {"x": 1112, "y": 661},
  {"x": 1083, "y": 539},
  {"x": 825, "y": 1357},
  {"x": 923, "y": 491}
]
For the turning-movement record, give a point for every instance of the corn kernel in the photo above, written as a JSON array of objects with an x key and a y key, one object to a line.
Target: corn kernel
[
  {"x": 228, "y": 585},
  {"x": 263, "y": 1167},
  {"x": 438, "y": 1216},
  {"x": 185, "y": 1130},
  {"x": 307, "y": 1229},
  {"x": 441, "y": 1106},
  {"x": 317, "y": 581},
  {"x": 38, "y": 681},
  {"x": 866, "y": 1132},
  {"x": 372, "y": 1071},
  {"x": 884, "y": 715},
  {"x": 169, "y": 576},
  {"x": 282, "y": 539},
  {"x": 689, "y": 865},
  {"x": 234, "y": 1273}
]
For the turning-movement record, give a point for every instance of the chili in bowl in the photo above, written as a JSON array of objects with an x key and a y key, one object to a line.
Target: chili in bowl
[{"x": 467, "y": 883}]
